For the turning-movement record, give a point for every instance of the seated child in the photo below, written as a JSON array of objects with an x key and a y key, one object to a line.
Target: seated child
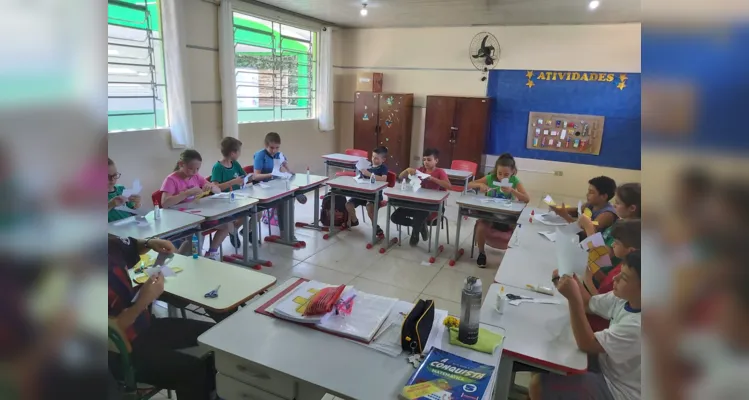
[
  {"x": 263, "y": 161},
  {"x": 614, "y": 354},
  {"x": 438, "y": 180},
  {"x": 229, "y": 175},
  {"x": 115, "y": 198},
  {"x": 504, "y": 167},
  {"x": 183, "y": 186},
  {"x": 380, "y": 171},
  {"x": 600, "y": 192}
]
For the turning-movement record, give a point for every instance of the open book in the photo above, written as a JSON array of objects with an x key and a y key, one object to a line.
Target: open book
[{"x": 368, "y": 313}]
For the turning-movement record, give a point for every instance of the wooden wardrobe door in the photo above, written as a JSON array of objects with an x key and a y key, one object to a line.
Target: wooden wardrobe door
[
  {"x": 395, "y": 119},
  {"x": 365, "y": 120},
  {"x": 471, "y": 119},
  {"x": 438, "y": 122}
]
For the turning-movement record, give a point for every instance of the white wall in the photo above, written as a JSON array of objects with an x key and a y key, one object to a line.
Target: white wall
[
  {"x": 148, "y": 155},
  {"x": 433, "y": 61}
]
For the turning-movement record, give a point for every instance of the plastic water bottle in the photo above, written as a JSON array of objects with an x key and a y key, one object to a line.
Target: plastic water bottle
[
  {"x": 372, "y": 179},
  {"x": 156, "y": 212},
  {"x": 403, "y": 183},
  {"x": 308, "y": 174},
  {"x": 195, "y": 245},
  {"x": 470, "y": 311},
  {"x": 516, "y": 236}
]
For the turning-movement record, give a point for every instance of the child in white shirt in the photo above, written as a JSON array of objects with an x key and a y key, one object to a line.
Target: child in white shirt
[{"x": 614, "y": 354}]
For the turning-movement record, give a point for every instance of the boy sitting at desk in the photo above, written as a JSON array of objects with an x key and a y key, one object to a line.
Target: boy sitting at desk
[
  {"x": 601, "y": 190},
  {"x": 263, "y": 161},
  {"x": 437, "y": 180},
  {"x": 380, "y": 171},
  {"x": 614, "y": 354}
]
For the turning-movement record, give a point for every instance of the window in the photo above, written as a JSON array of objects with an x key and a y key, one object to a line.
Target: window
[
  {"x": 136, "y": 80},
  {"x": 275, "y": 70}
]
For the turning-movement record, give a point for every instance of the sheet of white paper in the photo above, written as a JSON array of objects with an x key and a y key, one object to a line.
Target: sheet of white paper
[
  {"x": 537, "y": 301},
  {"x": 548, "y": 200},
  {"x": 552, "y": 236},
  {"x": 247, "y": 178},
  {"x": 363, "y": 164},
  {"x": 138, "y": 211},
  {"x": 422, "y": 175},
  {"x": 579, "y": 208},
  {"x": 281, "y": 157},
  {"x": 165, "y": 270},
  {"x": 550, "y": 219},
  {"x": 124, "y": 221},
  {"x": 596, "y": 240},
  {"x": 277, "y": 170},
  {"x": 133, "y": 190},
  {"x": 361, "y": 181},
  {"x": 571, "y": 259},
  {"x": 215, "y": 189},
  {"x": 503, "y": 183},
  {"x": 263, "y": 185}
]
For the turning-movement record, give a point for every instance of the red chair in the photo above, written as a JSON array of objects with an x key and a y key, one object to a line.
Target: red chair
[
  {"x": 356, "y": 152},
  {"x": 156, "y": 198},
  {"x": 462, "y": 165},
  {"x": 249, "y": 169}
]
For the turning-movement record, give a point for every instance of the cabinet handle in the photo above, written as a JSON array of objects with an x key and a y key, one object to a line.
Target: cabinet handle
[{"x": 246, "y": 371}]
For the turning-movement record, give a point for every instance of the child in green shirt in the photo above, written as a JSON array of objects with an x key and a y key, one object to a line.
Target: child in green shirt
[
  {"x": 228, "y": 174},
  {"x": 115, "y": 198}
]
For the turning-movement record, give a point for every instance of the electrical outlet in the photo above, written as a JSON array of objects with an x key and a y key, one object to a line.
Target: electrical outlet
[{"x": 558, "y": 173}]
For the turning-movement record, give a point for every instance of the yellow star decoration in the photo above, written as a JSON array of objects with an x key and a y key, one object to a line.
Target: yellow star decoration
[
  {"x": 529, "y": 74},
  {"x": 530, "y": 83},
  {"x": 621, "y": 85},
  {"x": 623, "y": 77}
]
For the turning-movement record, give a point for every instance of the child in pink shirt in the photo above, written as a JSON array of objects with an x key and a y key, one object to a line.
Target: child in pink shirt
[{"x": 183, "y": 186}]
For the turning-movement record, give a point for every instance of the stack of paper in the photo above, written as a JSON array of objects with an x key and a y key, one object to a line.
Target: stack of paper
[
  {"x": 571, "y": 259},
  {"x": 363, "y": 164},
  {"x": 414, "y": 183},
  {"x": 550, "y": 218}
]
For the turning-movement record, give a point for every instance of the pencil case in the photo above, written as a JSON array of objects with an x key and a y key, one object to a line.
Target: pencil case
[{"x": 417, "y": 326}]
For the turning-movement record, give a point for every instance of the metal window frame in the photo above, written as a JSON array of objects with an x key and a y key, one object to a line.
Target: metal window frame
[
  {"x": 152, "y": 64},
  {"x": 279, "y": 84}
]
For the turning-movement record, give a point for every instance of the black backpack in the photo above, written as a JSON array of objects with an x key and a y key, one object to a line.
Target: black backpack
[{"x": 341, "y": 214}]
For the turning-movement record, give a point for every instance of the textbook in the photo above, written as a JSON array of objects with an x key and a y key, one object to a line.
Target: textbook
[{"x": 445, "y": 376}]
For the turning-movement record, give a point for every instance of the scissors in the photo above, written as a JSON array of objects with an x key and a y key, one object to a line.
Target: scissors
[{"x": 213, "y": 293}]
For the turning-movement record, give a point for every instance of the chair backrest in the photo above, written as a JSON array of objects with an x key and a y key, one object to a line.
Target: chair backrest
[
  {"x": 462, "y": 165},
  {"x": 392, "y": 178},
  {"x": 156, "y": 198},
  {"x": 248, "y": 169},
  {"x": 357, "y": 152}
]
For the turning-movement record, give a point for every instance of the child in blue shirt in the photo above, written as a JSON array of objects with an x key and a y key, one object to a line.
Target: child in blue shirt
[
  {"x": 380, "y": 171},
  {"x": 263, "y": 161}
]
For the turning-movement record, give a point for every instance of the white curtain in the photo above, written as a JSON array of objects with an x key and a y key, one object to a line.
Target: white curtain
[
  {"x": 179, "y": 108},
  {"x": 226, "y": 69},
  {"x": 325, "y": 81}
]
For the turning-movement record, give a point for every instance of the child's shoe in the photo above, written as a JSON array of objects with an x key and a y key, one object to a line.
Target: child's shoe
[
  {"x": 302, "y": 199},
  {"x": 379, "y": 231},
  {"x": 481, "y": 260},
  {"x": 213, "y": 255}
]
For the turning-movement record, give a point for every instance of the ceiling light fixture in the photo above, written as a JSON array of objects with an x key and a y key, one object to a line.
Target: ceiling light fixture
[
  {"x": 594, "y": 4},
  {"x": 364, "y": 11}
]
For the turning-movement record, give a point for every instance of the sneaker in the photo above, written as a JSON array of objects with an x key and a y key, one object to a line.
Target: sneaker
[
  {"x": 481, "y": 260},
  {"x": 379, "y": 231},
  {"x": 424, "y": 233},
  {"x": 414, "y": 239},
  {"x": 354, "y": 223},
  {"x": 235, "y": 240},
  {"x": 302, "y": 199},
  {"x": 213, "y": 255}
]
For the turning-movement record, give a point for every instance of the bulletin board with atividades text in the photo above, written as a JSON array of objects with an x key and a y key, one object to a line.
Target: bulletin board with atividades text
[{"x": 610, "y": 96}]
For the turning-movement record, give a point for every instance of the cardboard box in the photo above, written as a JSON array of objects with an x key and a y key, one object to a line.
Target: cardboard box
[{"x": 369, "y": 82}]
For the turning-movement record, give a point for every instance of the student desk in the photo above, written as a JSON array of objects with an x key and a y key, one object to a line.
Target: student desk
[
  {"x": 458, "y": 175},
  {"x": 422, "y": 199},
  {"x": 347, "y": 186},
  {"x": 532, "y": 260},
  {"x": 471, "y": 205},
  {"x": 262, "y": 357},
  {"x": 304, "y": 186},
  {"x": 200, "y": 276},
  {"x": 338, "y": 160},
  {"x": 171, "y": 223},
  {"x": 273, "y": 193},
  {"x": 539, "y": 335}
]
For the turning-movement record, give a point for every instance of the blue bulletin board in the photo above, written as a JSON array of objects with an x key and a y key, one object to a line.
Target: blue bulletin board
[{"x": 612, "y": 95}]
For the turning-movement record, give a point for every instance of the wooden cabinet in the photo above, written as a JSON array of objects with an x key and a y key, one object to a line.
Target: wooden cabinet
[
  {"x": 457, "y": 126},
  {"x": 385, "y": 119}
]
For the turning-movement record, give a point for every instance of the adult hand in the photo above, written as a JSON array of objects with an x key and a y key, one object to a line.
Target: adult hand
[
  {"x": 162, "y": 246},
  {"x": 569, "y": 287},
  {"x": 153, "y": 288}
]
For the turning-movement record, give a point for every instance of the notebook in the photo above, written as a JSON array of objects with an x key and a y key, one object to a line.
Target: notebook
[{"x": 443, "y": 375}]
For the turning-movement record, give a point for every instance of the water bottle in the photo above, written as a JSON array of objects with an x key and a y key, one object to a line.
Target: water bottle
[
  {"x": 516, "y": 236},
  {"x": 308, "y": 174},
  {"x": 195, "y": 245},
  {"x": 156, "y": 212},
  {"x": 470, "y": 311},
  {"x": 403, "y": 184},
  {"x": 372, "y": 179}
]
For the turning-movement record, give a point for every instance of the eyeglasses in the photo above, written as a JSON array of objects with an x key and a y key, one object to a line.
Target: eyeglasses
[{"x": 115, "y": 176}]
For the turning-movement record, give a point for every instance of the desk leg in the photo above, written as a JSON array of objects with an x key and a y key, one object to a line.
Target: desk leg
[
  {"x": 388, "y": 242},
  {"x": 458, "y": 251},
  {"x": 376, "y": 207},
  {"x": 250, "y": 225},
  {"x": 504, "y": 379},
  {"x": 465, "y": 186},
  {"x": 332, "y": 231},
  {"x": 316, "y": 221},
  {"x": 287, "y": 236},
  {"x": 437, "y": 248}
]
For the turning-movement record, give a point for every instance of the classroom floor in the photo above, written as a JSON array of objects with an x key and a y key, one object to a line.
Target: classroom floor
[{"x": 403, "y": 272}]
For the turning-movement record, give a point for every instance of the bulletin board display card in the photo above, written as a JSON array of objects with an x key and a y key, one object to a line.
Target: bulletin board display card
[{"x": 569, "y": 133}]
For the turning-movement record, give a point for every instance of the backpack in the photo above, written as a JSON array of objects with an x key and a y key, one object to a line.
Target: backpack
[{"x": 341, "y": 214}]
